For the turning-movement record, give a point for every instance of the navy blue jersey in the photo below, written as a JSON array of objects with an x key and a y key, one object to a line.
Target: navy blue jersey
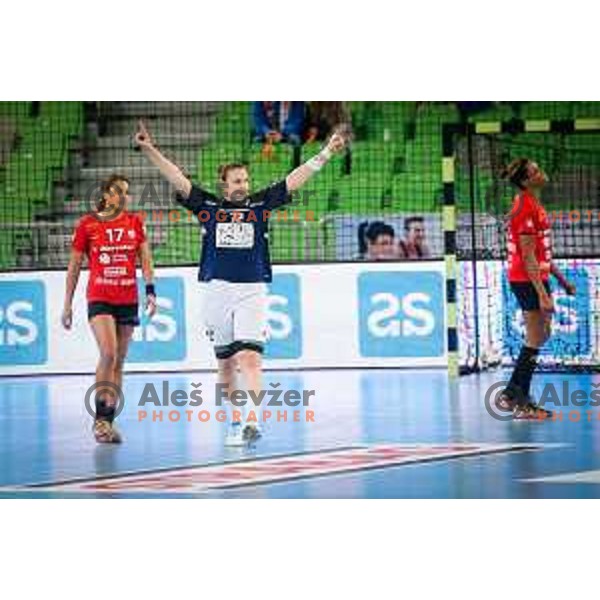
[{"x": 235, "y": 236}]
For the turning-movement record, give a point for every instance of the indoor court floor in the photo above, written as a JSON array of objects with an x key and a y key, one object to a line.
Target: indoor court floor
[{"x": 375, "y": 434}]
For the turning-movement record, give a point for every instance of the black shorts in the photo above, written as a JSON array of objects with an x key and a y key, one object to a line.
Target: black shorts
[
  {"x": 123, "y": 314},
  {"x": 526, "y": 295}
]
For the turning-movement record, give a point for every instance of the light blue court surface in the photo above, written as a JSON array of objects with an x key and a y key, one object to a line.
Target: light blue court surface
[{"x": 376, "y": 434}]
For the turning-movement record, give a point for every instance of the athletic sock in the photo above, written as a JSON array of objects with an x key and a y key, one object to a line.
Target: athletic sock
[
  {"x": 104, "y": 412},
  {"x": 519, "y": 386}
]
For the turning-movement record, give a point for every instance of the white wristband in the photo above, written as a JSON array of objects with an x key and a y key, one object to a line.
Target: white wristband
[{"x": 318, "y": 162}]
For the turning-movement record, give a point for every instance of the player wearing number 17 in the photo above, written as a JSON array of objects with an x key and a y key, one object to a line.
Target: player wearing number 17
[
  {"x": 235, "y": 266},
  {"x": 112, "y": 239}
]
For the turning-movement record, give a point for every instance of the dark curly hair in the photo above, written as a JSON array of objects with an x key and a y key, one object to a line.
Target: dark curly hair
[{"x": 516, "y": 172}]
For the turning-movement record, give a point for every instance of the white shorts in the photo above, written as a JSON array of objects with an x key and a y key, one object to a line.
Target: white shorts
[{"x": 234, "y": 316}]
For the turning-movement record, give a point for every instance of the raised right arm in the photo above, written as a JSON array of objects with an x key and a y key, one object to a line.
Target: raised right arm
[{"x": 170, "y": 171}]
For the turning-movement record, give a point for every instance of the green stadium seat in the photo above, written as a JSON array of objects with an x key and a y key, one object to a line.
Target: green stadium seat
[
  {"x": 546, "y": 110},
  {"x": 415, "y": 194},
  {"x": 383, "y": 157},
  {"x": 234, "y": 121},
  {"x": 267, "y": 169},
  {"x": 182, "y": 246},
  {"x": 500, "y": 112},
  {"x": 361, "y": 192},
  {"x": 212, "y": 157},
  {"x": 41, "y": 155},
  {"x": 396, "y": 166}
]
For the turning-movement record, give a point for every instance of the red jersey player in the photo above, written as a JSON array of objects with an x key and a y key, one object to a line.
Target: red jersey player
[
  {"x": 112, "y": 239},
  {"x": 529, "y": 268}
]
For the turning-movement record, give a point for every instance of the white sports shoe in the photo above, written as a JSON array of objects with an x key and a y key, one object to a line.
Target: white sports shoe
[{"x": 235, "y": 436}]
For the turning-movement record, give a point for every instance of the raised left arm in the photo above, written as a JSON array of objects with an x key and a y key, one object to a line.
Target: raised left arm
[{"x": 299, "y": 176}]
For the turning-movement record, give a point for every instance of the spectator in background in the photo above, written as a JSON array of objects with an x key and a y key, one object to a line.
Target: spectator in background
[
  {"x": 276, "y": 122},
  {"x": 414, "y": 246},
  {"x": 322, "y": 119},
  {"x": 376, "y": 241}
]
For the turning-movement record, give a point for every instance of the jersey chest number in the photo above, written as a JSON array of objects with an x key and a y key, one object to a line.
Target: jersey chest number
[
  {"x": 235, "y": 235},
  {"x": 115, "y": 235}
]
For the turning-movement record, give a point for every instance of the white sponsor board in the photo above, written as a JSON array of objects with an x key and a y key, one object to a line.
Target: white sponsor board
[{"x": 319, "y": 316}]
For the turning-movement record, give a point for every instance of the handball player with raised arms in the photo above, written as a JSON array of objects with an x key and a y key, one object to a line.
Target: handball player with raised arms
[
  {"x": 235, "y": 265},
  {"x": 112, "y": 239},
  {"x": 530, "y": 265}
]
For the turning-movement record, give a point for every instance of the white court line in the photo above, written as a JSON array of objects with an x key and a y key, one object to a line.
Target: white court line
[{"x": 590, "y": 477}]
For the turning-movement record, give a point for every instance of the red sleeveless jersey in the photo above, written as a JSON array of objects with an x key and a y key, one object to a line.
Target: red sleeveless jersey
[
  {"x": 528, "y": 218},
  {"x": 112, "y": 248}
]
